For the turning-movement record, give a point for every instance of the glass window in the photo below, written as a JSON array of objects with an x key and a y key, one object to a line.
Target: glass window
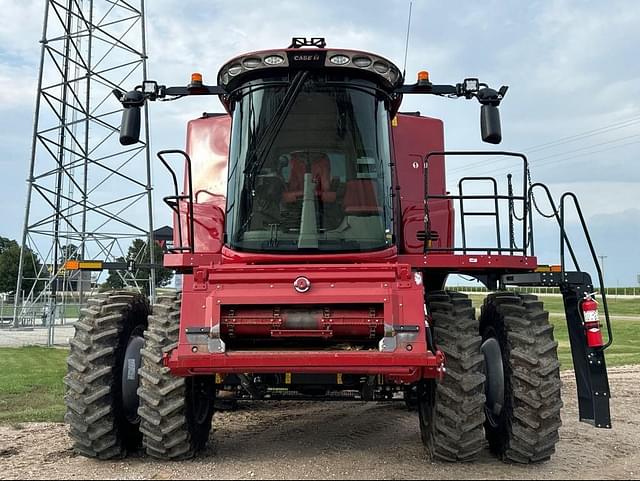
[{"x": 309, "y": 170}]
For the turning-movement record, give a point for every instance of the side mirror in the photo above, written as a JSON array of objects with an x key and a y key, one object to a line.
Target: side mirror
[
  {"x": 131, "y": 118},
  {"x": 490, "y": 124}
]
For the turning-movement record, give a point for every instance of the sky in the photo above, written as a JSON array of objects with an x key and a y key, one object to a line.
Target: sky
[{"x": 573, "y": 104}]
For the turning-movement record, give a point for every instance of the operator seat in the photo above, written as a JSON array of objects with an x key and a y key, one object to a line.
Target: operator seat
[
  {"x": 321, "y": 171},
  {"x": 360, "y": 198}
]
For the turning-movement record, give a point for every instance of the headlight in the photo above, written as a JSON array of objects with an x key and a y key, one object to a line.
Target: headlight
[
  {"x": 361, "y": 62},
  {"x": 381, "y": 67},
  {"x": 235, "y": 69},
  {"x": 251, "y": 62},
  {"x": 274, "y": 60},
  {"x": 340, "y": 60}
]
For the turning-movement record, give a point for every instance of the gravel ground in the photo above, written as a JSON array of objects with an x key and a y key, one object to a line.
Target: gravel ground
[{"x": 339, "y": 441}]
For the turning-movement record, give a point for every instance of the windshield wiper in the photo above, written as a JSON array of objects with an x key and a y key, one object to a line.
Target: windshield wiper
[
  {"x": 257, "y": 156},
  {"x": 264, "y": 143}
]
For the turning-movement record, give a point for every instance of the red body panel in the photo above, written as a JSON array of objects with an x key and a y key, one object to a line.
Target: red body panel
[
  {"x": 208, "y": 148},
  {"x": 413, "y": 138},
  {"x": 391, "y": 288}
]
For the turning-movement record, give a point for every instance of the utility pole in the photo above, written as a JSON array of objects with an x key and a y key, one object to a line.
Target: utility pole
[{"x": 602, "y": 259}]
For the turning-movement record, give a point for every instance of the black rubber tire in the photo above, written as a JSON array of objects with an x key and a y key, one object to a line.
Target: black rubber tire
[
  {"x": 452, "y": 411},
  {"x": 98, "y": 426},
  {"x": 176, "y": 412},
  {"x": 526, "y": 431}
]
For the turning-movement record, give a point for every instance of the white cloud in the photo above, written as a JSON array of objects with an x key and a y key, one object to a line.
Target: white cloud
[
  {"x": 20, "y": 26},
  {"x": 17, "y": 87}
]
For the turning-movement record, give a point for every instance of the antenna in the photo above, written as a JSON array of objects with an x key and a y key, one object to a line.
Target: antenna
[{"x": 406, "y": 47}]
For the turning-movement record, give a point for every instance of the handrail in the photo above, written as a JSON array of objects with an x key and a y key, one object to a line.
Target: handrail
[
  {"x": 564, "y": 239},
  {"x": 174, "y": 201},
  {"x": 524, "y": 198},
  {"x": 594, "y": 255}
]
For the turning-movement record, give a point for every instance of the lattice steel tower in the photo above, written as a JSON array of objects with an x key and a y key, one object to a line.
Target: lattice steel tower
[{"x": 84, "y": 190}]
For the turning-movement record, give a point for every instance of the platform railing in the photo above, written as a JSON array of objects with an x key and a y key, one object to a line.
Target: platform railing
[{"x": 462, "y": 201}]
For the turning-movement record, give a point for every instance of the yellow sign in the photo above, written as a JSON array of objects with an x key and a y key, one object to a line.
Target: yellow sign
[
  {"x": 75, "y": 265},
  {"x": 90, "y": 265}
]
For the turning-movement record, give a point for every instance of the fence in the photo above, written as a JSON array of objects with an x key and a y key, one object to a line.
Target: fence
[
  {"x": 38, "y": 324},
  {"x": 610, "y": 291}
]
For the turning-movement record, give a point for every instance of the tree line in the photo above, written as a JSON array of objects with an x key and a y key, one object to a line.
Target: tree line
[{"x": 138, "y": 252}]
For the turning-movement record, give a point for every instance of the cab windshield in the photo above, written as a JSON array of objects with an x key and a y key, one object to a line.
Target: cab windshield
[{"x": 310, "y": 167}]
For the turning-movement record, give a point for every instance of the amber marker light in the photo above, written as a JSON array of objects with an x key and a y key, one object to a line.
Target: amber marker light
[
  {"x": 196, "y": 79},
  {"x": 423, "y": 78}
]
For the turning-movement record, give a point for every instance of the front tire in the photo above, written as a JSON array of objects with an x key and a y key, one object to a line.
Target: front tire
[
  {"x": 176, "y": 412},
  {"x": 452, "y": 412},
  {"x": 99, "y": 425},
  {"x": 526, "y": 429}
]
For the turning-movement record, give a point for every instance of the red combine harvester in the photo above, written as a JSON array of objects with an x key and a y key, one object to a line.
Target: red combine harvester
[{"x": 315, "y": 235}]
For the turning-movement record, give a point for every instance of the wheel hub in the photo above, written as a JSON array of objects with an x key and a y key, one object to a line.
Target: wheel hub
[
  {"x": 131, "y": 379},
  {"x": 494, "y": 388}
]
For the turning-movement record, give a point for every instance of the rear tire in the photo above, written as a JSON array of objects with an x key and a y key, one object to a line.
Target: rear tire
[
  {"x": 176, "y": 412},
  {"x": 98, "y": 424},
  {"x": 452, "y": 411},
  {"x": 526, "y": 431}
]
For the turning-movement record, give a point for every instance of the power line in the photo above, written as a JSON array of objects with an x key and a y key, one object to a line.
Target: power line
[
  {"x": 564, "y": 140},
  {"x": 564, "y": 159}
]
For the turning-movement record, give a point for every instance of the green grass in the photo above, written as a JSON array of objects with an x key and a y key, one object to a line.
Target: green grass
[
  {"x": 617, "y": 307},
  {"x": 31, "y": 388},
  {"x": 626, "y": 347},
  {"x": 624, "y": 351}
]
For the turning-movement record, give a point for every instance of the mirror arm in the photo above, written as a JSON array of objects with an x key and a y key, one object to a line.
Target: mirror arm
[
  {"x": 191, "y": 90},
  {"x": 427, "y": 88},
  {"x": 484, "y": 94},
  {"x": 132, "y": 103}
]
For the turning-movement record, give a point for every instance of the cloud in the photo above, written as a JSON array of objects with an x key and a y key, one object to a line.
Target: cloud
[
  {"x": 20, "y": 29},
  {"x": 17, "y": 87}
]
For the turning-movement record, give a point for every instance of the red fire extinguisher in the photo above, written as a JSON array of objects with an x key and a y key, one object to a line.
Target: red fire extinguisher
[{"x": 591, "y": 321}]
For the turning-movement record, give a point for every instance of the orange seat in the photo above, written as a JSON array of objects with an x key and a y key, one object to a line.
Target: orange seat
[
  {"x": 360, "y": 198},
  {"x": 321, "y": 172}
]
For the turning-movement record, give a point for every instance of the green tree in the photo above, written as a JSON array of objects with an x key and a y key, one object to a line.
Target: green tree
[
  {"x": 139, "y": 253},
  {"x": 9, "y": 265}
]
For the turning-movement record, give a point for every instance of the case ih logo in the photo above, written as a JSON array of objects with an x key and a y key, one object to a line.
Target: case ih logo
[
  {"x": 302, "y": 285},
  {"x": 306, "y": 58}
]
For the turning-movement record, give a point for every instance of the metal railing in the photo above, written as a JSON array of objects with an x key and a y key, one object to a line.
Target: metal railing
[{"x": 462, "y": 201}]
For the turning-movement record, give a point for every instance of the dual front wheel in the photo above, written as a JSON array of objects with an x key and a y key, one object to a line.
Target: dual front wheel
[
  {"x": 502, "y": 383},
  {"x": 119, "y": 395}
]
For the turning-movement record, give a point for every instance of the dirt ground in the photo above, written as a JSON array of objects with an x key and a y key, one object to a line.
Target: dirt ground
[{"x": 339, "y": 441}]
